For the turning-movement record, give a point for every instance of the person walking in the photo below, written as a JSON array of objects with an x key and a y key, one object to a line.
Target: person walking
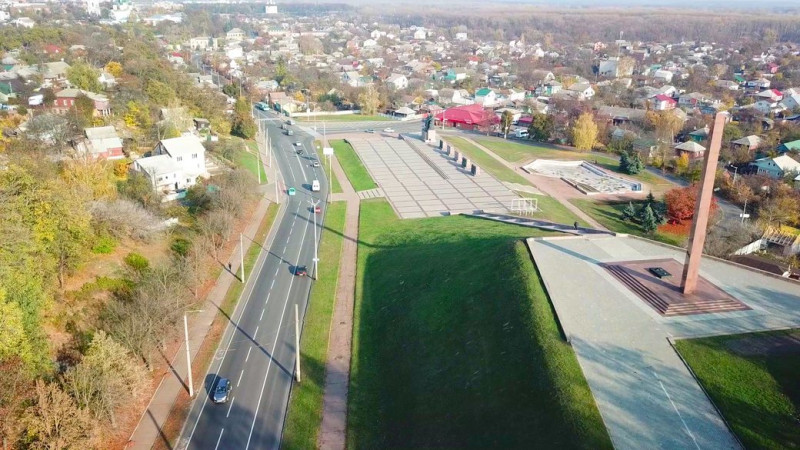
[{"x": 575, "y": 224}]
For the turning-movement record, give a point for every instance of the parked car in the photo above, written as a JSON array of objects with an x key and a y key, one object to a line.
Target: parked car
[
  {"x": 301, "y": 271},
  {"x": 289, "y": 133},
  {"x": 221, "y": 391},
  {"x": 298, "y": 144},
  {"x": 369, "y": 130}
]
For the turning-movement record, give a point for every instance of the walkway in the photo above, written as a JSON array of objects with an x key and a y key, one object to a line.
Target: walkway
[
  {"x": 541, "y": 186},
  {"x": 540, "y": 224},
  {"x": 333, "y": 429}
]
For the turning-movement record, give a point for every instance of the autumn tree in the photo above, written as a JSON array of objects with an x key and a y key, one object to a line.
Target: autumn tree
[
  {"x": 541, "y": 127},
  {"x": 681, "y": 202},
  {"x": 584, "y": 132},
  {"x": 114, "y": 68},
  {"x": 84, "y": 110},
  {"x": 505, "y": 122},
  {"x": 84, "y": 76},
  {"x": 369, "y": 100},
  {"x": 54, "y": 421},
  {"x": 780, "y": 210}
]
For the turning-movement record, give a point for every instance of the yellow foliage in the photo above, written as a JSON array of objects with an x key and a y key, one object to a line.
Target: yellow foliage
[
  {"x": 584, "y": 132},
  {"x": 93, "y": 175},
  {"x": 114, "y": 68}
]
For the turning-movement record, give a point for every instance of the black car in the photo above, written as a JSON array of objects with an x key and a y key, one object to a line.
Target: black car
[
  {"x": 221, "y": 391},
  {"x": 301, "y": 271}
]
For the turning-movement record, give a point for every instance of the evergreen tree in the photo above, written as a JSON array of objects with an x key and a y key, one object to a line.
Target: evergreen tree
[
  {"x": 635, "y": 164},
  {"x": 629, "y": 213},
  {"x": 649, "y": 222},
  {"x": 624, "y": 162}
]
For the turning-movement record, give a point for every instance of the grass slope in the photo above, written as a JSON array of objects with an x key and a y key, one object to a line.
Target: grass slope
[
  {"x": 352, "y": 166},
  {"x": 455, "y": 344},
  {"x": 305, "y": 405},
  {"x": 336, "y": 188},
  {"x": 486, "y": 162},
  {"x": 249, "y": 161},
  {"x": 758, "y": 395},
  {"x": 610, "y": 216}
]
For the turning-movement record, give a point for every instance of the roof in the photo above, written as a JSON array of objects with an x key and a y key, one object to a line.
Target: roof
[
  {"x": 183, "y": 145},
  {"x": 786, "y": 163},
  {"x": 54, "y": 69},
  {"x": 469, "y": 114},
  {"x": 665, "y": 98},
  {"x": 690, "y": 146},
  {"x": 405, "y": 110},
  {"x": 158, "y": 165},
  {"x": 793, "y": 145},
  {"x": 751, "y": 141},
  {"x": 615, "y": 112},
  {"x": 100, "y": 132},
  {"x": 483, "y": 92}
]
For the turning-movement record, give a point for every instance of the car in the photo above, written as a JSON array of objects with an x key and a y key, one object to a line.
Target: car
[
  {"x": 289, "y": 133},
  {"x": 262, "y": 106},
  {"x": 369, "y": 130},
  {"x": 221, "y": 391},
  {"x": 388, "y": 130},
  {"x": 317, "y": 209},
  {"x": 299, "y": 151},
  {"x": 292, "y": 191},
  {"x": 315, "y": 164},
  {"x": 298, "y": 144},
  {"x": 300, "y": 271}
]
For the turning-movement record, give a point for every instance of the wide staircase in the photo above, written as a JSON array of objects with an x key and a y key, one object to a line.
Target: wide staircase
[{"x": 536, "y": 223}]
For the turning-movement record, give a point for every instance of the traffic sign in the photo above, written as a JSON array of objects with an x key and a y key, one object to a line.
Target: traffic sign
[{"x": 327, "y": 151}]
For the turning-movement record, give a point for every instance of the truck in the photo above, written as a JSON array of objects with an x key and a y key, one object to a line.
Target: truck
[
  {"x": 521, "y": 133},
  {"x": 315, "y": 186}
]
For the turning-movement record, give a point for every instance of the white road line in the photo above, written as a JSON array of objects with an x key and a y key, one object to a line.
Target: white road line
[
  {"x": 230, "y": 407},
  {"x": 248, "y": 354},
  {"x": 240, "y": 378},
  {"x": 262, "y": 314},
  {"x": 276, "y": 270},
  {"x": 275, "y": 344},
  {"x": 256, "y": 333},
  {"x": 686, "y": 427},
  {"x": 219, "y": 438},
  {"x": 272, "y": 285}
]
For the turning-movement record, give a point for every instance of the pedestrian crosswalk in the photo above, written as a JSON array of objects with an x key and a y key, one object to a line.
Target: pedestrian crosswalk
[{"x": 371, "y": 193}]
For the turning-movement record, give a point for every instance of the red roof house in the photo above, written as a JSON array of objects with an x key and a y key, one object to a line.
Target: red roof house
[{"x": 468, "y": 116}]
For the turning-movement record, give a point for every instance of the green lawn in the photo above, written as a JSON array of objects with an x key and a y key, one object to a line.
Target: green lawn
[
  {"x": 249, "y": 161},
  {"x": 352, "y": 166},
  {"x": 518, "y": 152},
  {"x": 336, "y": 188},
  {"x": 345, "y": 118},
  {"x": 486, "y": 162},
  {"x": 553, "y": 210},
  {"x": 610, "y": 216},
  {"x": 305, "y": 405},
  {"x": 455, "y": 344},
  {"x": 758, "y": 395}
]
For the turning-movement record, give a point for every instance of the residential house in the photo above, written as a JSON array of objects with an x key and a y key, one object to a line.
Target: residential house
[
  {"x": 766, "y": 107},
  {"x": 461, "y": 36},
  {"x": 107, "y": 80},
  {"x": 352, "y": 78},
  {"x": 175, "y": 164},
  {"x": 619, "y": 116},
  {"x": 549, "y": 88},
  {"x": 663, "y": 102},
  {"x": 100, "y": 143},
  {"x": 791, "y": 102},
  {"x": 201, "y": 124},
  {"x": 690, "y": 148},
  {"x": 7, "y": 91},
  {"x": 486, "y": 97},
  {"x": 778, "y": 167},
  {"x": 773, "y": 95},
  {"x": 235, "y": 35},
  {"x": 201, "y": 43},
  {"x": 699, "y": 135},
  {"x": 760, "y": 83},
  {"x": 584, "y": 91},
  {"x": 54, "y": 73},
  {"x": 420, "y": 34},
  {"x": 793, "y": 146},
  {"x": 455, "y": 74},
  {"x": 749, "y": 143},
  {"x": 65, "y": 99},
  {"x": 234, "y": 51},
  {"x": 397, "y": 81},
  {"x": 727, "y": 84},
  {"x": 24, "y": 22},
  {"x": 692, "y": 100},
  {"x": 664, "y": 76}
]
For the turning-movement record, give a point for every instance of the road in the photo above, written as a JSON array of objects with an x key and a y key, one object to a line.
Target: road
[
  {"x": 330, "y": 126},
  {"x": 257, "y": 351}
]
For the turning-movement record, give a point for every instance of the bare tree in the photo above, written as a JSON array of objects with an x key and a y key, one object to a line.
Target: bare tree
[
  {"x": 54, "y": 422},
  {"x": 215, "y": 227}
]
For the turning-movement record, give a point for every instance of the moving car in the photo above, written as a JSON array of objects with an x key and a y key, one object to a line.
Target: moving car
[
  {"x": 315, "y": 186},
  {"x": 221, "y": 391},
  {"x": 315, "y": 164},
  {"x": 369, "y": 130},
  {"x": 388, "y": 130},
  {"x": 289, "y": 133},
  {"x": 262, "y": 106},
  {"x": 301, "y": 271},
  {"x": 317, "y": 209},
  {"x": 298, "y": 144}
]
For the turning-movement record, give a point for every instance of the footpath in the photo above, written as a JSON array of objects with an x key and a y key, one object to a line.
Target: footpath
[
  {"x": 333, "y": 429},
  {"x": 541, "y": 186},
  {"x": 149, "y": 429}
]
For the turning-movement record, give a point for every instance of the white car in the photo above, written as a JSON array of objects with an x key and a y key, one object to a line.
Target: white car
[
  {"x": 298, "y": 144},
  {"x": 315, "y": 164},
  {"x": 388, "y": 130}
]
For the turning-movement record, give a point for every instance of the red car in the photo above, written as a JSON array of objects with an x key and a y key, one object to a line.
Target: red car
[
  {"x": 301, "y": 271},
  {"x": 317, "y": 209}
]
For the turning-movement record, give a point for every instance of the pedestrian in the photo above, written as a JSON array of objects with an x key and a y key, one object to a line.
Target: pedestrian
[
  {"x": 230, "y": 268},
  {"x": 575, "y": 224}
]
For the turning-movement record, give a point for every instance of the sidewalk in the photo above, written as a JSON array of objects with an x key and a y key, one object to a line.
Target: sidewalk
[
  {"x": 541, "y": 186},
  {"x": 333, "y": 429},
  {"x": 149, "y": 429}
]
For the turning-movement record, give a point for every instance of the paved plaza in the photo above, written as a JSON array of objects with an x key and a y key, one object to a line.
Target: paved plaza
[
  {"x": 420, "y": 181},
  {"x": 646, "y": 395},
  {"x": 590, "y": 178}
]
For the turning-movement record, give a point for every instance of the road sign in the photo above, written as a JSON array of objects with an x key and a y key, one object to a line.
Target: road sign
[{"x": 327, "y": 151}]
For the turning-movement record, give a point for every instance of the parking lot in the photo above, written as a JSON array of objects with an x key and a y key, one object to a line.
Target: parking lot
[{"x": 420, "y": 181}]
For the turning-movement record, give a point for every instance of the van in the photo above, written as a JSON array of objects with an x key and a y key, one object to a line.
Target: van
[
  {"x": 521, "y": 133},
  {"x": 315, "y": 186}
]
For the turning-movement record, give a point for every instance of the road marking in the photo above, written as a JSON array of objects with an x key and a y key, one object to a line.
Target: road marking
[
  {"x": 219, "y": 438},
  {"x": 256, "y": 333},
  {"x": 686, "y": 427},
  {"x": 275, "y": 344},
  {"x": 229, "y": 410},
  {"x": 272, "y": 285},
  {"x": 248, "y": 354},
  {"x": 262, "y": 314},
  {"x": 240, "y": 377}
]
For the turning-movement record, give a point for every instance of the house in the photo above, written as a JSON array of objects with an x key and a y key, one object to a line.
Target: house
[
  {"x": 397, "y": 81},
  {"x": 200, "y": 43},
  {"x": 549, "y": 88},
  {"x": 201, "y": 124},
  {"x": 761, "y": 83},
  {"x": 793, "y": 146},
  {"x": 486, "y": 97},
  {"x": 420, "y": 34},
  {"x": 699, "y": 135},
  {"x": 766, "y": 107},
  {"x": 773, "y": 95},
  {"x": 662, "y": 102},
  {"x": 234, "y": 51},
  {"x": 52, "y": 49},
  {"x": 778, "y": 167},
  {"x": 54, "y": 72},
  {"x": 791, "y": 102},
  {"x": 100, "y": 143},
  {"x": 584, "y": 91},
  {"x": 7, "y": 91},
  {"x": 727, "y": 84},
  {"x": 107, "y": 80},
  {"x": 664, "y": 76},
  {"x": 455, "y": 97},
  {"x": 690, "y": 148},
  {"x": 692, "y": 100},
  {"x": 235, "y": 35},
  {"x": 461, "y": 36},
  {"x": 455, "y": 74},
  {"x": 352, "y": 78},
  {"x": 748, "y": 143},
  {"x": 619, "y": 116},
  {"x": 24, "y": 22},
  {"x": 65, "y": 99},
  {"x": 175, "y": 164}
]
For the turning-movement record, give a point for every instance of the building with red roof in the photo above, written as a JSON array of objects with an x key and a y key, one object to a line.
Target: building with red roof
[
  {"x": 662, "y": 102},
  {"x": 467, "y": 117}
]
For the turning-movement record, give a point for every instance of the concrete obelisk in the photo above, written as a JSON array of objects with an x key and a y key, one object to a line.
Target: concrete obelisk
[{"x": 697, "y": 236}]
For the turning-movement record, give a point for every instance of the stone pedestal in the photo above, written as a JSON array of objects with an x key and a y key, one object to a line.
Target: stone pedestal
[
  {"x": 465, "y": 163},
  {"x": 430, "y": 136},
  {"x": 457, "y": 156},
  {"x": 476, "y": 170}
]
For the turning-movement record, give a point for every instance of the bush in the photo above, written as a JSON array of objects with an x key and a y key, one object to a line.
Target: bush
[
  {"x": 104, "y": 245},
  {"x": 181, "y": 246},
  {"x": 137, "y": 262}
]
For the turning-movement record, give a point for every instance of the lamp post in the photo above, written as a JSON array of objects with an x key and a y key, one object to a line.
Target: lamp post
[
  {"x": 314, "y": 213},
  {"x": 188, "y": 354}
]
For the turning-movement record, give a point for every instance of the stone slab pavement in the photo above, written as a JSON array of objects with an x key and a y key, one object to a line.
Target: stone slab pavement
[{"x": 646, "y": 395}]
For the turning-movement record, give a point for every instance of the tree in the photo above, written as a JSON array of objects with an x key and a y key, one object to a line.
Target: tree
[
  {"x": 369, "y": 100},
  {"x": 114, "y": 68},
  {"x": 16, "y": 387},
  {"x": 630, "y": 163},
  {"x": 780, "y": 210},
  {"x": 84, "y": 76},
  {"x": 13, "y": 340},
  {"x": 84, "y": 109},
  {"x": 231, "y": 90},
  {"x": 681, "y": 203},
  {"x": 505, "y": 122},
  {"x": 629, "y": 213},
  {"x": 107, "y": 378},
  {"x": 649, "y": 223},
  {"x": 682, "y": 164},
  {"x": 584, "y": 132},
  {"x": 95, "y": 175},
  {"x": 243, "y": 126},
  {"x": 159, "y": 93},
  {"x": 541, "y": 127},
  {"x": 54, "y": 422},
  {"x": 69, "y": 230}
]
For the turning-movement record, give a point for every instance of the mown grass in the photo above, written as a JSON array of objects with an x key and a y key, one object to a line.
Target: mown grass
[
  {"x": 486, "y": 162},
  {"x": 552, "y": 210},
  {"x": 336, "y": 188},
  {"x": 609, "y": 214},
  {"x": 758, "y": 395},
  {"x": 455, "y": 344},
  {"x": 305, "y": 404},
  {"x": 353, "y": 167},
  {"x": 519, "y": 152},
  {"x": 249, "y": 161}
]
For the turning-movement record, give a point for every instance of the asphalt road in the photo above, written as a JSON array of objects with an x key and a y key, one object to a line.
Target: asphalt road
[
  {"x": 257, "y": 351},
  {"x": 330, "y": 126}
]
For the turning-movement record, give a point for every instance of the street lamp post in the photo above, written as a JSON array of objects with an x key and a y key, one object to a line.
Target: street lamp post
[{"x": 314, "y": 213}]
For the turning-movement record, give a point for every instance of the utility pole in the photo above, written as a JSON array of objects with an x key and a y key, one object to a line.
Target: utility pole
[
  {"x": 258, "y": 163},
  {"x": 744, "y": 211},
  {"x": 297, "y": 341},
  {"x": 188, "y": 357},
  {"x": 314, "y": 213},
  {"x": 241, "y": 253}
]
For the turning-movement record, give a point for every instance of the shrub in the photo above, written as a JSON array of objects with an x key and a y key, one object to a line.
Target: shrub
[
  {"x": 181, "y": 246},
  {"x": 137, "y": 262},
  {"x": 104, "y": 245}
]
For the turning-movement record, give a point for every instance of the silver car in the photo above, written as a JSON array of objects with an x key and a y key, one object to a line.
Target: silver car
[{"x": 221, "y": 391}]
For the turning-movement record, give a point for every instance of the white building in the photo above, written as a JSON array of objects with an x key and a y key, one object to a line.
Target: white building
[
  {"x": 271, "y": 7},
  {"x": 176, "y": 164},
  {"x": 24, "y": 22},
  {"x": 461, "y": 36},
  {"x": 235, "y": 35},
  {"x": 397, "y": 81},
  {"x": 93, "y": 7},
  {"x": 4, "y": 16}
]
